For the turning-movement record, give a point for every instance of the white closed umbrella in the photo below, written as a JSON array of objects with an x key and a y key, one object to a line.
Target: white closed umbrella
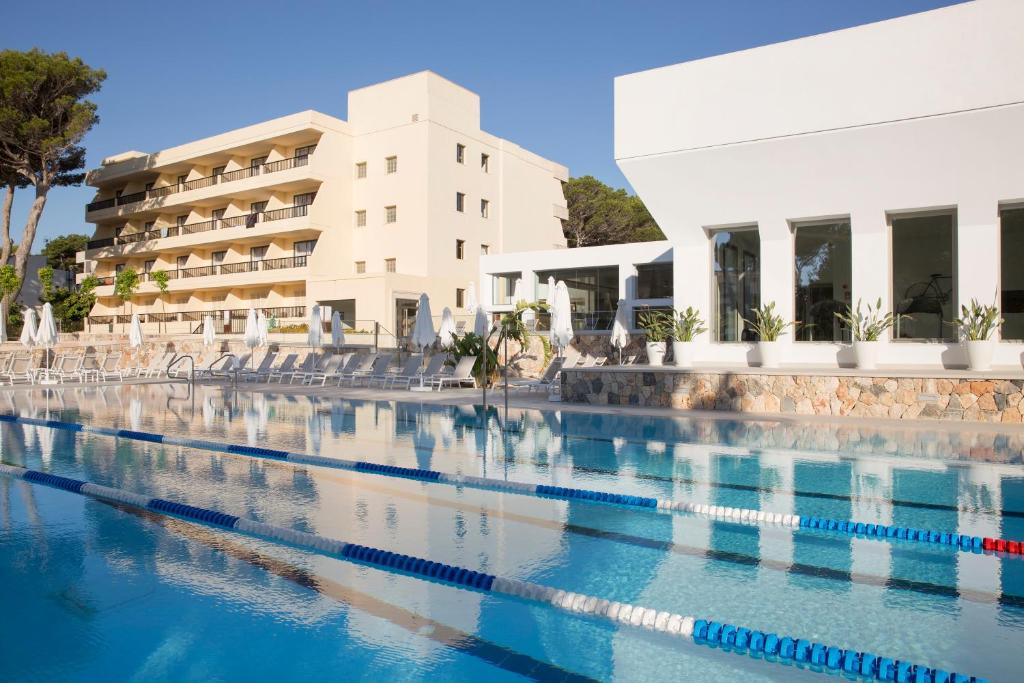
[
  {"x": 135, "y": 338},
  {"x": 46, "y": 335},
  {"x": 3, "y": 326},
  {"x": 446, "y": 332},
  {"x": 337, "y": 334},
  {"x": 315, "y": 327},
  {"x": 470, "y": 299},
  {"x": 28, "y": 330},
  {"x": 551, "y": 289},
  {"x": 620, "y": 328},
  {"x": 209, "y": 334},
  {"x": 263, "y": 326},
  {"x": 423, "y": 334},
  {"x": 227, "y": 318},
  {"x": 563, "y": 332},
  {"x": 517, "y": 292},
  {"x": 481, "y": 325},
  {"x": 251, "y": 335}
]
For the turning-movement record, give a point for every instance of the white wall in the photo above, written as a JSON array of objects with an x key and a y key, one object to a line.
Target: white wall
[{"x": 919, "y": 113}]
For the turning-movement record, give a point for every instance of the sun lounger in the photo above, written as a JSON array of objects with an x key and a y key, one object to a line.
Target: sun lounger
[
  {"x": 346, "y": 363},
  {"x": 286, "y": 367},
  {"x": 410, "y": 368},
  {"x": 328, "y": 367},
  {"x": 434, "y": 367},
  {"x": 312, "y": 363},
  {"x": 460, "y": 376},
  {"x": 262, "y": 370},
  {"x": 363, "y": 367},
  {"x": 551, "y": 374}
]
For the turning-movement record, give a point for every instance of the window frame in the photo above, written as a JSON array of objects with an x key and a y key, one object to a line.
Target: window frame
[
  {"x": 460, "y": 249},
  {"x": 391, "y": 214},
  {"x": 795, "y": 227},
  {"x": 890, "y": 218},
  {"x": 485, "y": 162},
  {"x": 391, "y": 265},
  {"x": 360, "y": 218},
  {"x": 360, "y": 267},
  {"x": 713, "y": 328},
  {"x": 391, "y": 164},
  {"x": 460, "y": 153},
  {"x": 485, "y": 208},
  {"x": 361, "y": 170},
  {"x": 460, "y": 202}
]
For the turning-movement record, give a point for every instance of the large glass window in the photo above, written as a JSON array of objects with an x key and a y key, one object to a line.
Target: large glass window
[
  {"x": 924, "y": 276},
  {"x": 654, "y": 281},
  {"x": 823, "y": 268},
  {"x": 593, "y": 293},
  {"x": 1011, "y": 223},
  {"x": 737, "y": 282},
  {"x": 504, "y": 287}
]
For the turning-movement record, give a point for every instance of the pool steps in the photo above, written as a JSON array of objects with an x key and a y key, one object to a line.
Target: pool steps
[
  {"x": 737, "y": 639},
  {"x": 867, "y": 531}
]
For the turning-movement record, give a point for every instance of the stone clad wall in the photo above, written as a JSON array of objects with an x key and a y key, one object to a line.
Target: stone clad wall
[{"x": 897, "y": 398}]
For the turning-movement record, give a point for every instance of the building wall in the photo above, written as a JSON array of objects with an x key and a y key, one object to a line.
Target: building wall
[{"x": 910, "y": 115}]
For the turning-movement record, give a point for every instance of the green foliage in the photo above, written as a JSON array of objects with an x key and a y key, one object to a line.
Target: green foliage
[
  {"x": 868, "y": 326},
  {"x": 686, "y": 325},
  {"x": 471, "y": 344},
  {"x": 9, "y": 280},
  {"x": 293, "y": 329},
  {"x": 69, "y": 305},
  {"x": 60, "y": 251},
  {"x": 513, "y": 328},
  {"x": 161, "y": 278},
  {"x": 44, "y": 115},
  {"x": 977, "y": 322},
  {"x": 768, "y": 324},
  {"x": 126, "y": 283},
  {"x": 657, "y": 325},
  {"x": 599, "y": 215},
  {"x": 46, "y": 283}
]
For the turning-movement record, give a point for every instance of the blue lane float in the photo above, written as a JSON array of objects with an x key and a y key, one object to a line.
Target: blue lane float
[
  {"x": 874, "y": 532},
  {"x": 764, "y": 645}
]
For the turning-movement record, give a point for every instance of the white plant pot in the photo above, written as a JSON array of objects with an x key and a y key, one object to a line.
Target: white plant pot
[
  {"x": 682, "y": 354},
  {"x": 770, "y": 353},
  {"x": 655, "y": 353},
  {"x": 866, "y": 353},
  {"x": 979, "y": 354}
]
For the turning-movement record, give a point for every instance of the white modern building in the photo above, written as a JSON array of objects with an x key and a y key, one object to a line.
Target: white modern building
[
  {"x": 360, "y": 216},
  {"x": 877, "y": 162}
]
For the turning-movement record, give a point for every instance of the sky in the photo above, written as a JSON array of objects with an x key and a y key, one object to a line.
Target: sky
[{"x": 179, "y": 71}]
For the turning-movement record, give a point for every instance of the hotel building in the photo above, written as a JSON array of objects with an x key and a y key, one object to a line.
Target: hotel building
[
  {"x": 360, "y": 216},
  {"x": 877, "y": 162}
]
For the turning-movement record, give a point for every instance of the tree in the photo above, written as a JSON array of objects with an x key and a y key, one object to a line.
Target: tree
[
  {"x": 69, "y": 305},
  {"x": 161, "y": 278},
  {"x": 61, "y": 252},
  {"x": 9, "y": 283},
  {"x": 599, "y": 215},
  {"x": 125, "y": 284},
  {"x": 43, "y": 117}
]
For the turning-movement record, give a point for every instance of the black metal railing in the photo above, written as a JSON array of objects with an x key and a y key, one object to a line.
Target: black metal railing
[
  {"x": 128, "y": 238},
  {"x": 240, "y": 267},
  {"x": 280, "y": 263},
  {"x": 198, "y": 271},
  {"x": 198, "y": 183},
  {"x": 287, "y": 212},
  {"x": 101, "y": 319},
  {"x": 223, "y": 269}
]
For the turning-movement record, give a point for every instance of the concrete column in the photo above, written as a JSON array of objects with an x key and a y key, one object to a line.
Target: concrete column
[
  {"x": 777, "y": 269},
  {"x": 871, "y": 276},
  {"x": 627, "y": 281},
  {"x": 691, "y": 277},
  {"x": 977, "y": 248}
]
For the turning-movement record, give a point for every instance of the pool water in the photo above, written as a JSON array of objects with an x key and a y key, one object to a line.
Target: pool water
[{"x": 94, "y": 591}]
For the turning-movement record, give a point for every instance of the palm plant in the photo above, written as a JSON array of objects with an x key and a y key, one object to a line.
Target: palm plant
[
  {"x": 686, "y": 325},
  {"x": 471, "y": 344},
  {"x": 869, "y": 326},
  {"x": 656, "y": 325},
  {"x": 768, "y": 324},
  {"x": 977, "y": 322}
]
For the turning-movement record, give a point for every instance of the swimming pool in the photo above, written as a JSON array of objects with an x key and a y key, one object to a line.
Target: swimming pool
[{"x": 110, "y": 591}]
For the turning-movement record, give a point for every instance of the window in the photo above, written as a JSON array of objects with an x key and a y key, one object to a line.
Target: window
[
  {"x": 504, "y": 286},
  {"x": 182, "y": 179},
  {"x": 258, "y": 253},
  {"x": 390, "y": 214},
  {"x": 304, "y": 199},
  {"x": 485, "y": 249},
  {"x": 360, "y": 266},
  {"x": 218, "y": 171},
  {"x": 485, "y": 163},
  {"x": 460, "y": 298},
  {"x": 1011, "y": 230},
  {"x": 460, "y": 153},
  {"x": 181, "y": 261},
  {"x": 654, "y": 281},
  {"x": 181, "y": 220},
  {"x": 148, "y": 266},
  {"x": 304, "y": 151},
  {"x": 391, "y": 165},
  {"x": 924, "y": 276},
  {"x": 484, "y": 208},
  {"x": 256, "y": 162},
  {"x": 258, "y": 207},
  {"x": 304, "y": 248},
  {"x": 148, "y": 227},
  {"x": 217, "y": 257},
  {"x": 823, "y": 272},
  {"x": 460, "y": 249},
  {"x": 149, "y": 186},
  {"x": 389, "y": 265},
  {"x": 593, "y": 292},
  {"x": 460, "y": 201},
  {"x": 216, "y": 215},
  {"x": 360, "y": 219},
  {"x": 361, "y": 169},
  {"x": 736, "y": 283},
  {"x": 119, "y": 267}
]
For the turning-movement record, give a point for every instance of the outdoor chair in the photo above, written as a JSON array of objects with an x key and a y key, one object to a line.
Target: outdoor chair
[
  {"x": 410, "y": 368},
  {"x": 434, "y": 367},
  {"x": 460, "y": 376},
  {"x": 551, "y": 374},
  {"x": 266, "y": 364},
  {"x": 363, "y": 367},
  {"x": 312, "y": 363},
  {"x": 328, "y": 367},
  {"x": 286, "y": 367}
]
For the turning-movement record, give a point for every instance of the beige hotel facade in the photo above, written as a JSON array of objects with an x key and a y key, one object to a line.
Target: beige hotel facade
[{"x": 360, "y": 216}]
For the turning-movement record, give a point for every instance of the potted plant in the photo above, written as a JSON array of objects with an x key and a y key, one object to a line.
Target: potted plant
[
  {"x": 866, "y": 330},
  {"x": 769, "y": 326},
  {"x": 977, "y": 324},
  {"x": 656, "y": 325},
  {"x": 686, "y": 325}
]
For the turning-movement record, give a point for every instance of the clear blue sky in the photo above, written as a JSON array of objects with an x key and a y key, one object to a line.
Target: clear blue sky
[{"x": 182, "y": 70}]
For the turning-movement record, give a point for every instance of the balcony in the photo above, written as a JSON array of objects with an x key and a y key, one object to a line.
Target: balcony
[
  {"x": 199, "y": 183},
  {"x": 272, "y": 264},
  {"x": 249, "y": 220},
  {"x": 234, "y": 314}
]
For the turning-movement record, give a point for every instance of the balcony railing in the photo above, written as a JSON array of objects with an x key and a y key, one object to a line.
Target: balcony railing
[
  {"x": 287, "y": 212},
  {"x": 223, "y": 269},
  {"x": 235, "y": 314},
  {"x": 272, "y": 167},
  {"x": 241, "y": 267},
  {"x": 280, "y": 263}
]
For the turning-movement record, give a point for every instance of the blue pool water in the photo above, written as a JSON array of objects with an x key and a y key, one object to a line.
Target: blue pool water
[{"x": 94, "y": 591}]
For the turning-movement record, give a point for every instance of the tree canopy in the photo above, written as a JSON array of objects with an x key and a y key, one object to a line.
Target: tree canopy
[
  {"x": 60, "y": 251},
  {"x": 599, "y": 214}
]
